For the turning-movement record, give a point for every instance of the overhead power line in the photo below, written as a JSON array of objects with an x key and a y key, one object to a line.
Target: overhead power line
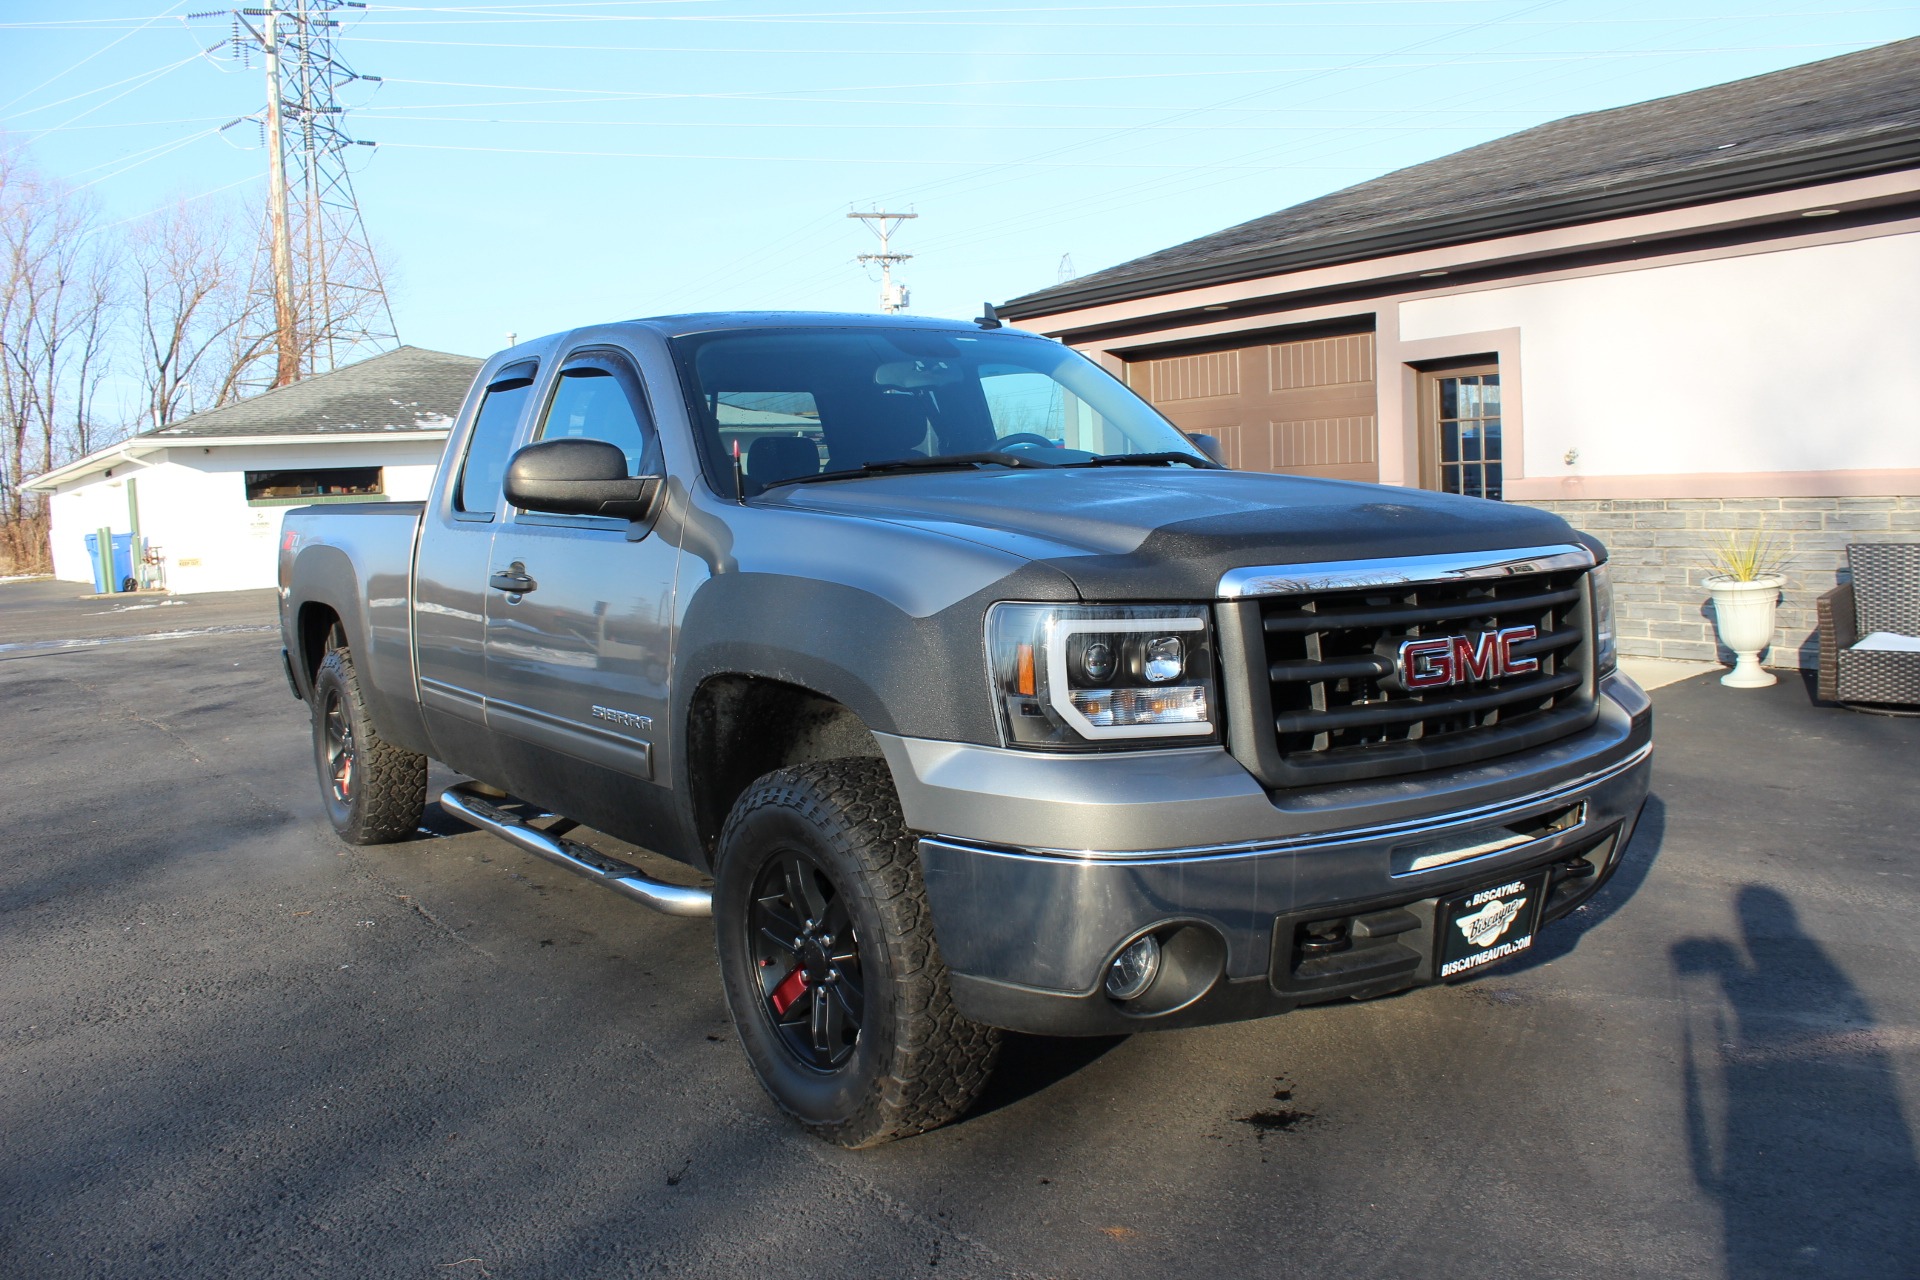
[
  {"x": 1161, "y": 18},
  {"x": 333, "y": 305},
  {"x": 893, "y": 161}
]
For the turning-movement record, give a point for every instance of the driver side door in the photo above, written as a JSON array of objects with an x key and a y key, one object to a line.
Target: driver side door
[{"x": 579, "y": 621}]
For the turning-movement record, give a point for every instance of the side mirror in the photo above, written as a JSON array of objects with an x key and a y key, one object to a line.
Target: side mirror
[
  {"x": 1209, "y": 445},
  {"x": 575, "y": 477}
]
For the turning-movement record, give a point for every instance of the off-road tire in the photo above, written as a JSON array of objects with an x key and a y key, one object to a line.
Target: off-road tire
[
  {"x": 917, "y": 1063},
  {"x": 388, "y": 787}
]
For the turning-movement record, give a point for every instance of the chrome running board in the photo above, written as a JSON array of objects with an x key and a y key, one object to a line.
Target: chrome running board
[{"x": 465, "y": 802}]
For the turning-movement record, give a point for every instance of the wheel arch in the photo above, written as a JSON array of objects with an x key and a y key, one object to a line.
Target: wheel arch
[
  {"x": 314, "y": 624},
  {"x": 740, "y": 726}
]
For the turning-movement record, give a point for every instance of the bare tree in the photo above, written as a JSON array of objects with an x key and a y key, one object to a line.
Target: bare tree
[
  {"x": 181, "y": 310},
  {"x": 55, "y": 310},
  {"x": 194, "y": 310},
  {"x": 340, "y": 304}
]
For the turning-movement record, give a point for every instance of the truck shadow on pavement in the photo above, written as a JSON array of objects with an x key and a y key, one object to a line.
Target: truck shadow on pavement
[
  {"x": 1792, "y": 1107},
  {"x": 1033, "y": 1064}
]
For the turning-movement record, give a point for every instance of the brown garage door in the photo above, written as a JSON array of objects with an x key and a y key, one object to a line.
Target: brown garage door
[{"x": 1304, "y": 408}]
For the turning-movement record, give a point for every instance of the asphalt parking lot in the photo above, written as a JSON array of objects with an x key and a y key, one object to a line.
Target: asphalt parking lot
[{"x": 232, "y": 1046}]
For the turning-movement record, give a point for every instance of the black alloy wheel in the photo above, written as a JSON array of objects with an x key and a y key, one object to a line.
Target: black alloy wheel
[
  {"x": 829, "y": 962},
  {"x": 338, "y": 748},
  {"x": 807, "y": 952},
  {"x": 372, "y": 789}
]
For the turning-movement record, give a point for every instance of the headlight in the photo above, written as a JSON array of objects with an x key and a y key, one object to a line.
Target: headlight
[
  {"x": 1078, "y": 678},
  {"x": 1606, "y": 653}
]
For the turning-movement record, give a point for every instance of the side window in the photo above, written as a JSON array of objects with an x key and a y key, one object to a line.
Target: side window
[
  {"x": 599, "y": 398},
  {"x": 485, "y": 466}
]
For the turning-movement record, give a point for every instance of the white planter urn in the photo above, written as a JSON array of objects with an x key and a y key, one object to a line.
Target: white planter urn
[{"x": 1743, "y": 611}]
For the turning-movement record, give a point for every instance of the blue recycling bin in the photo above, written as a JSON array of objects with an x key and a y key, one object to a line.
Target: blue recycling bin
[{"x": 122, "y": 561}]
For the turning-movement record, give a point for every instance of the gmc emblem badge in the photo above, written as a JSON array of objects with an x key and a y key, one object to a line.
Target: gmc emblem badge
[{"x": 1439, "y": 662}]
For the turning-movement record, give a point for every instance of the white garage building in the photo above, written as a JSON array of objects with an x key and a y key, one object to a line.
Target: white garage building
[{"x": 208, "y": 491}]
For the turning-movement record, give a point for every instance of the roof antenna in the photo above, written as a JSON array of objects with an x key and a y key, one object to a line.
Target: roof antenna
[{"x": 987, "y": 318}]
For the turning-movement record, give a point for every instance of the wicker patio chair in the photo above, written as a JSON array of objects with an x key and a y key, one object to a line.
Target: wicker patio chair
[{"x": 1870, "y": 629}]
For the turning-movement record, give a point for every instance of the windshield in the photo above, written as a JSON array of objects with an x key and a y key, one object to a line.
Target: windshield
[{"x": 791, "y": 404}]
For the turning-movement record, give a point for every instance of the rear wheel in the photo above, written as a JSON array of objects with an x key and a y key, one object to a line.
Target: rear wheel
[
  {"x": 829, "y": 960},
  {"x": 373, "y": 790}
]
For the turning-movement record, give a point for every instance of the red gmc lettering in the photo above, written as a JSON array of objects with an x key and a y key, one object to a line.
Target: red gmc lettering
[
  {"x": 1480, "y": 658},
  {"x": 1438, "y": 661},
  {"x": 1427, "y": 664},
  {"x": 1510, "y": 665}
]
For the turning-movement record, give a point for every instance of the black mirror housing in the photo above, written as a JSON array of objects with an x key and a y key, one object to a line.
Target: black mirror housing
[
  {"x": 576, "y": 477},
  {"x": 1209, "y": 445}
]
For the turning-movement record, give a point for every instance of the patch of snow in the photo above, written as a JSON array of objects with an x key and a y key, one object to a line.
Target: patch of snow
[{"x": 26, "y": 647}]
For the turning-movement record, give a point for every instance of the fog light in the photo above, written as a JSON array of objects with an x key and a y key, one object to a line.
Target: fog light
[{"x": 1134, "y": 969}]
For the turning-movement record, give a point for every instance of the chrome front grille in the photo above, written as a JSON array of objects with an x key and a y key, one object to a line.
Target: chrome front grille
[{"x": 1329, "y": 697}]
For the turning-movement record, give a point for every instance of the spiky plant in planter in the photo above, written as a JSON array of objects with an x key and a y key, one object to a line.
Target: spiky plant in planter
[{"x": 1747, "y": 572}]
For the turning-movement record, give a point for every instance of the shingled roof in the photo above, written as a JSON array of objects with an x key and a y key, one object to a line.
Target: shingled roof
[
  {"x": 406, "y": 389},
  {"x": 1844, "y": 117}
]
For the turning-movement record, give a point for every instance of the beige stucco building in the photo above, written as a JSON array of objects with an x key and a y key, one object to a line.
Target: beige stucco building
[{"x": 1664, "y": 321}]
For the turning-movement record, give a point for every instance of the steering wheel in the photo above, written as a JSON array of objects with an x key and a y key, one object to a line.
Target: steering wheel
[{"x": 1025, "y": 440}]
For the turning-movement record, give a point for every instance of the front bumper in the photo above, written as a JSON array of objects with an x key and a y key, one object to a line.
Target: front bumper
[{"x": 1029, "y": 926}]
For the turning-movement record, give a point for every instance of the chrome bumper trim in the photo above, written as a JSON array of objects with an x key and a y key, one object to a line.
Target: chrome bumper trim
[{"x": 1415, "y": 828}]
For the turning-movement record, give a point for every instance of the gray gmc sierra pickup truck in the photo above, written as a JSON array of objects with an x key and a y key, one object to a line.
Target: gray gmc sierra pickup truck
[{"x": 986, "y": 698}]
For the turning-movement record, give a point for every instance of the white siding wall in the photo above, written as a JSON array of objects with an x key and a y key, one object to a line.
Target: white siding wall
[
  {"x": 79, "y": 512},
  {"x": 193, "y": 507},
  {"x": 1799, "y": 360}
]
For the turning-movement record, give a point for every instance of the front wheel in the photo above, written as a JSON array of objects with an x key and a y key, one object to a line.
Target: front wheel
[
  {"x": 829, "y": 961},
  {"x": 373, "y": 790}
]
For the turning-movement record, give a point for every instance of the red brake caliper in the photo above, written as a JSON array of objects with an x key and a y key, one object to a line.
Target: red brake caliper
[{"x": 790, "y": 989}]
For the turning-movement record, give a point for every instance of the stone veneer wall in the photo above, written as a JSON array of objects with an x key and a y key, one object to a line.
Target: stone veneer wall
[{"x": 1660, "y": 549}]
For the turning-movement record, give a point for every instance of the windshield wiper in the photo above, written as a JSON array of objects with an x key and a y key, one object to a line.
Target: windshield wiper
[
  {"x": 939, "y": 462},
  {"x": 1147, "y": 460}
]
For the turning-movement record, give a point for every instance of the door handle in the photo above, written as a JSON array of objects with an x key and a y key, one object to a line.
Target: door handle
[{"x": 513, "y": 579}]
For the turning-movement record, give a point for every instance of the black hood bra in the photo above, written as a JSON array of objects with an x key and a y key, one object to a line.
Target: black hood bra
[{"x": 1170, "y": 533}]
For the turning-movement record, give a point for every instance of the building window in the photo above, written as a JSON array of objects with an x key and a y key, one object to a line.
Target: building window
[
  {"x": 292, "y": 487},
  {"x": 1463, "y": 447}
]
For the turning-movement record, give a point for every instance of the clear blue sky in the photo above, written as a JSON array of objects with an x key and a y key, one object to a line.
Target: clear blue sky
[{"x": 543, "y": 165}]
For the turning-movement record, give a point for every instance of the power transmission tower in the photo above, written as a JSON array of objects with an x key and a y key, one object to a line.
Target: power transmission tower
[
  {"x": 329, "y": 301},
  {"x": 1066, "y": 271},
  {"x": 893, "y": 297}
]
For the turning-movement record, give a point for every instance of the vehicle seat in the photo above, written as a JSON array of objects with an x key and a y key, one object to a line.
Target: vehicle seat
[
  {"x": 881, "y": 430},
  {"x": 772, "y": 458}
]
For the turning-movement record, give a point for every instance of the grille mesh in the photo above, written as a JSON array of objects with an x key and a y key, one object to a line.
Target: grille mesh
[{"x": 1338, "y": 713}]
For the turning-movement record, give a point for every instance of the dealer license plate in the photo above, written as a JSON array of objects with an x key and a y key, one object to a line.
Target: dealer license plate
[{"x": 1488, "y": 924}]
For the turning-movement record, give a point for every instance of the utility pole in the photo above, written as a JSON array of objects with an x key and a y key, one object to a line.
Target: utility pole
[
  {"x": 892, "y": 297},
  {"x": 286, "y": 337},
  {"x": 329, "y": 302}
]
